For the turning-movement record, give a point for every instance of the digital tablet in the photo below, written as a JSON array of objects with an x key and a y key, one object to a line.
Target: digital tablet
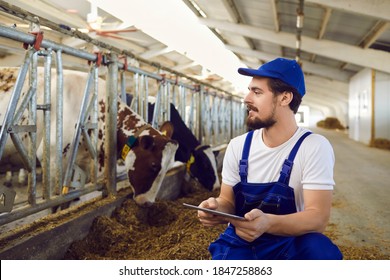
[{"x": 215, "y": 212}]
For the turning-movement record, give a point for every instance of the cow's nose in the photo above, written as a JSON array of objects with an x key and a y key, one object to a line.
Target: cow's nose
[
  {"x": 142, "y": 201},
  {"x": 147, "y": 204}
]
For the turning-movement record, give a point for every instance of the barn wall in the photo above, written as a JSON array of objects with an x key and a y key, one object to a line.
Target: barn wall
[
  {"x": 366, "y": 87},
  {"x": 360, "y": 113},
  {"x": 382, "y": 105}
]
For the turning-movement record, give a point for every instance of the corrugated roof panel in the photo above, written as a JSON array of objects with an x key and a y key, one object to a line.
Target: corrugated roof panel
[
  {"x": 256, "y": 13},
  {"x": 348, "y": 28},
  {"x": 213, "y": 9}
]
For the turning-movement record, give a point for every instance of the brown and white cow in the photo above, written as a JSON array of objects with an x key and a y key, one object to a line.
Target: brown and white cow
[
  {"x": 146, "y": 163},
  {"x": 200, "y": 160}
]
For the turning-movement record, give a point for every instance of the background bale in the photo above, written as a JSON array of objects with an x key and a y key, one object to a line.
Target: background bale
[
  {"x": 330, "y": 123},
  {"x": 381, "y": 143}
]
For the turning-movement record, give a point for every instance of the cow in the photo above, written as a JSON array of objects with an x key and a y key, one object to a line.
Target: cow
[
  {"x": 200, "y": 159},
  {"x": 147, "y": 153}
]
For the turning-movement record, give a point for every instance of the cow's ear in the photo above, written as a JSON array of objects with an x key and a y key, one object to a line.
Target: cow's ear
[
  {"x": 167, "y": 129},
  {"x": 146, "y": 142}
]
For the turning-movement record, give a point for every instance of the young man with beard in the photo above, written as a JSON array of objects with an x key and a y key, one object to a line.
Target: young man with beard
[{"x": 278, "y": 176}]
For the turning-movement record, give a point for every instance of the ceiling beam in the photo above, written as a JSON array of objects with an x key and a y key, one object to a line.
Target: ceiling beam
[
  {"x": 120, "y": 44},
  {"x": 324, "y": 23},
  {"x": 49, "y": 12},
  {"x": 275, "y": 15},
  {"x": 155, "y": 52},
  {"x": 372, "y": 8},
  {"x": 236, "y": 17},
  {"x": 181, "y": 67},
  {"x": 374, "y": 34},
  {"x": 369, "y": 58}
]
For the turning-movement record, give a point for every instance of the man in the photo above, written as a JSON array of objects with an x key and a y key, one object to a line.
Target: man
[{"x": 278, "y": 176}]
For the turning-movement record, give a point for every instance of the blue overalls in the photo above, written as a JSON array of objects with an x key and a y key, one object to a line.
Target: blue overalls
[{"x": 275, "y": 198}]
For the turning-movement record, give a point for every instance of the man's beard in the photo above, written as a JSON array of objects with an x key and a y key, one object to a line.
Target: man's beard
[{"x": 256, "y": 123}]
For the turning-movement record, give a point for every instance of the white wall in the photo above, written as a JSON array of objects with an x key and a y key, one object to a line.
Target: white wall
[
  {"x": 360, "y": 105},
  {"x": 382, "y": 105},
  {"x": 360, "y": 90}
]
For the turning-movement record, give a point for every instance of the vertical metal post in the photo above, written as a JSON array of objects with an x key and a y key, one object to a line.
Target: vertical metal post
[
  {"x": 32, "y": 148},
  {"x": 157, "y": 105},
  {"x": 145, "y": 97},
  {"x": 94, "y": 119},
  {"x": 111, "y": 125},
  {"x": 135, "y": 101},
  {"x": 191, "y": 113},
  {"x": 206, "y": 118},
  {"x": 174, "y": 87},
  {"x": 123, "y": 86},
  {"x": 373, "y": 106},
  {"x": 182, "y": 103},
  {"x": 46, "y": 125},
  {"x": 199, "y": 114},
  {"x": 59, "y": 122},
  {"x": 168, "y": 102},
  {"x": 214, "y": 118}
]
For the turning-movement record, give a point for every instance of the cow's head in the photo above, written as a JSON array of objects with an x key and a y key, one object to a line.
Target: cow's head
[
  {"x": 202, "y": 165},
  {"x": 147, "y": 154}
]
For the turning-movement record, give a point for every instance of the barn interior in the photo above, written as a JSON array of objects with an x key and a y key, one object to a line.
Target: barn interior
[{"x": 342, "y": 46}]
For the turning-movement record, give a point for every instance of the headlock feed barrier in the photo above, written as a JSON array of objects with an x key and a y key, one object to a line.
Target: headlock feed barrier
[{"x": 212, "y": 114}]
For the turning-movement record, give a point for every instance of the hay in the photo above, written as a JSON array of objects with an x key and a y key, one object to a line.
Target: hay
[
  {"x": 330, "y": 123},
  {"x": 168, "y": 231},
  {"x": 381, "y": 143}
]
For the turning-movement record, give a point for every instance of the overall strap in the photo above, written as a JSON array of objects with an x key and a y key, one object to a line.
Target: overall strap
[
  {"x": 243, "y": 171},
  {"x": 288, "y": 163}
]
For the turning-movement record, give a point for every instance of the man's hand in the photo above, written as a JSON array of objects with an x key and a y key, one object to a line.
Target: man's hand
[
  {"x": 208, "y": 219},
  {"x": 257, "y": 223}
]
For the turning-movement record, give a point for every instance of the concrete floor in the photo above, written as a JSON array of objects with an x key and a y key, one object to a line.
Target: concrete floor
[{"x": 361, "y": 205}]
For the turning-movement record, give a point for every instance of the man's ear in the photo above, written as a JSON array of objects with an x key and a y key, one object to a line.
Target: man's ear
[{"x": 286, "y": 98}]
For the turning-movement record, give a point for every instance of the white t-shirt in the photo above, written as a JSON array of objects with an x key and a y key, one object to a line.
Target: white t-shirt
[{"x": 312, "y": 169}]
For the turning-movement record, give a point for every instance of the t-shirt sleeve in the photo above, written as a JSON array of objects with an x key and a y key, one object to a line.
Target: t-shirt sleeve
[{"x": 318, "y": 164}]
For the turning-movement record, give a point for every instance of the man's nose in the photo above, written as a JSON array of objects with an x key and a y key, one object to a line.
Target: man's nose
[{"x": 247, "y": 98}]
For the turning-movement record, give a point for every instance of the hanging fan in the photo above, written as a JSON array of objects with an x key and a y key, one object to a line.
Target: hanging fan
[{"x": 113, "y": 30}]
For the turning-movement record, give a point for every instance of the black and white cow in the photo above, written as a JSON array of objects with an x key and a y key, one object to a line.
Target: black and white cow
[
  {"x": 146, "y": 162},
  {"x": 200, "y": 159}
]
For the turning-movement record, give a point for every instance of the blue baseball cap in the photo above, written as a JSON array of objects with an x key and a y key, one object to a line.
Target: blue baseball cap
[{"x": 284, "y": 69}]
